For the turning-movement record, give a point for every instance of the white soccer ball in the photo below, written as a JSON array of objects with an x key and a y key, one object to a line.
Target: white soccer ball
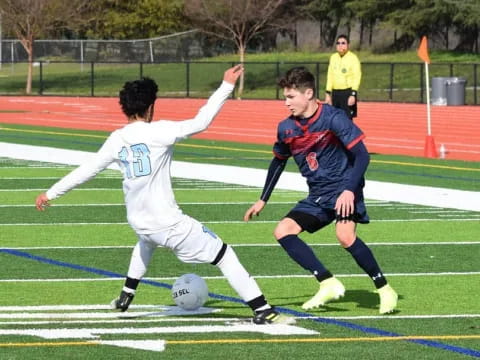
[{"x": 190, "y": 292}]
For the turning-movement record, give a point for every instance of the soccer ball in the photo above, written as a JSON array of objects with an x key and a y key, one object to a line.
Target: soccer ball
[{"x": 190, "y": 292}]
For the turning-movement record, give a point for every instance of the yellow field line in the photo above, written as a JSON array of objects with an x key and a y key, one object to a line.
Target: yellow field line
[
  {"x": 269, "y": 152},
  {"x": 260, "y": 341}
]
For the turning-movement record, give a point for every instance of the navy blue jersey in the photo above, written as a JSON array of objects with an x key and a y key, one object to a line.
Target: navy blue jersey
[{"x": 320, "y": 146}]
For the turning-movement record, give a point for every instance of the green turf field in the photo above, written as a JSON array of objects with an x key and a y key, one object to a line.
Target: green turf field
[{"x": 60, "y": 268}]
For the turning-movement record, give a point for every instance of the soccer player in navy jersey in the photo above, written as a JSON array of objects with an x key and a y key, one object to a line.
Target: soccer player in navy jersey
[{"x": 329, "y": 151}]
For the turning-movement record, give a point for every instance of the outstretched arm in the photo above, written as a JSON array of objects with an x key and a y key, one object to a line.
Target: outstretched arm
[
  {"x": 78, "y": 176},
  {"x": 274, "y": 171},
  {"x": 208, "y": 112}
]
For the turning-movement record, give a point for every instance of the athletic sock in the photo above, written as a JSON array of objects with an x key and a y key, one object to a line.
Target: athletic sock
[
  {"x": 365, "y": 259},
  {"x": 258, "y": 304},
  {"x": 131, "y": 285},
  {"x": 304, "y": 256}
]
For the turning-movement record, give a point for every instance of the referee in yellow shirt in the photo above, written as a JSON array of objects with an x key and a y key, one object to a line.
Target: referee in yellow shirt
[{"x": 343, "y": 78}]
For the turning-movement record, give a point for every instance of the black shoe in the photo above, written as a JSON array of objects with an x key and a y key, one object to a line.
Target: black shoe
[
  {"x": 122, "y": 302},
  {"x": 272, "y": 316}
]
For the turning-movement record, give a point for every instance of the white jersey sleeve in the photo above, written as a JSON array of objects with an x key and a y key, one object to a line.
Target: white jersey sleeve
[
  {"x": 205, "y": 115},
  {"x": 83, "y": 173}
]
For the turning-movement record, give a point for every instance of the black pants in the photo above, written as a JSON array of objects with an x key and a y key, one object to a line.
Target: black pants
[{"x": 340, "y": 100}]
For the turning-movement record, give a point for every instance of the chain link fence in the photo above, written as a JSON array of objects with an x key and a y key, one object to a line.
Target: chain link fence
[{"x": 182, "y": 46}]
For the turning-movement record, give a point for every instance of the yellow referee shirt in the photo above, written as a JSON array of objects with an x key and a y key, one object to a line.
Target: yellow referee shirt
[{"x": 344, "y": 72}]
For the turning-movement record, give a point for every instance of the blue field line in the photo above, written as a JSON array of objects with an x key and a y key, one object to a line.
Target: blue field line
[{"x": 345, "y": 324}]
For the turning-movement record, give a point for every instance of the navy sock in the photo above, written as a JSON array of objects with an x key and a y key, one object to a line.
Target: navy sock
[
  {"x": 304, "y": 256},
  {"x": 365, "y": 259}
]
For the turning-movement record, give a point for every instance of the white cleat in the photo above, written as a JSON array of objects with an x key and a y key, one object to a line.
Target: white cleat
[{"x": 330, "y": 289}]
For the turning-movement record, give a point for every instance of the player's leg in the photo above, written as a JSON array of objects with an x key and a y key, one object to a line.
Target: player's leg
[
  {"x": 141, "y": 256},
  {"x": 247, "y": 288},
  {"x": 287, "y": 232},
  {"x": 346, "y": 235},
  {"x": 201, "y": 245}
]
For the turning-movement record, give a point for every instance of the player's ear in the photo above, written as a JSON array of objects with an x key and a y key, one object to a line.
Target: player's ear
[{"x": 309, "y": 93}]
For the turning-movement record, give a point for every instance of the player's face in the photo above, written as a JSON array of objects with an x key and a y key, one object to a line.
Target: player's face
[
  {"x": 296, "y": 101},
  {"x": 342, "y": 46}
]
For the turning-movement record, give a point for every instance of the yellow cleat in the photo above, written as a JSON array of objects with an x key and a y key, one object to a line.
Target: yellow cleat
[
  {"x": 330, "y": 289},
  {"x": 388, "y": 299}
]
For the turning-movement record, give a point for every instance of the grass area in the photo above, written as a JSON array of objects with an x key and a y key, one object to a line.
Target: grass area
[
  {"x": 386, "y": 77},
  {"x": 69, "y": 254}
]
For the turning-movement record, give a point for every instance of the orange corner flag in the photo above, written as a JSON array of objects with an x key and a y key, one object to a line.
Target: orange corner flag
[{"x": 422, "y": 51}]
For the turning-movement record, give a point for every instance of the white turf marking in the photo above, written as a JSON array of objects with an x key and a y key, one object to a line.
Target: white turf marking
[
  {"x": 180, "y": 203},
  {"x": 151, "y": 345},
  {"x": 200, "y": 329},
  {"x": 250, "y": 245},
  {"x": 158, "y": 317},
  {"x": 377, "y": 190},
  {"x": 288, "y": 276},
  {"x": 239, "y": 222},
  {"x": 257, "y": 245},
  {"x": 161, "y": 311}
]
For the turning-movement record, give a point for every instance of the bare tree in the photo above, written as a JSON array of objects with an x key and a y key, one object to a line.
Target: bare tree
[
  {"x": 30, "y": 19},
  {"x": 234, "y": 20}
]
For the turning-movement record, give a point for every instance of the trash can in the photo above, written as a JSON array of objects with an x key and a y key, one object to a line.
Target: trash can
[
  {"x": 456, "y": 91},
  {"x": 439, "y": 90}
]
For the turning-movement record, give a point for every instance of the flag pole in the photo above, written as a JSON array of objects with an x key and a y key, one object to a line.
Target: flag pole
[
  {"x": 430, "y": 148},
  {"x": 429, "y": 119}
]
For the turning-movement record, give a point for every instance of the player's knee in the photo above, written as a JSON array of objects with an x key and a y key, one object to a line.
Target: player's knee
[
  {"x": 286, "y": 227},
  {"x": 346, "y": 239}
]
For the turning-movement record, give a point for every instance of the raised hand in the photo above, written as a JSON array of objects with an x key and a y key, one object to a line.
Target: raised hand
[{"x": 232, "y": 74}]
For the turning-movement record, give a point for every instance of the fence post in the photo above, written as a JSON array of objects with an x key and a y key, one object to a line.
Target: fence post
[
  {"x": 187, "y": 80},
  {"x": 141, "y": 69},
  {"x": 392, "y": 71},
  {"x": 475, "y": 79},
  {"x": 277, "y": 90},
  {"x": 40, "y": 90},
  {"x": 92, "y": 79}
]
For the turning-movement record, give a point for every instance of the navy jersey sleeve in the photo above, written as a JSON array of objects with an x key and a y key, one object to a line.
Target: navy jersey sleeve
[
  {"x": 280, "y": 149},
  {"x": 345, "y": 130}
]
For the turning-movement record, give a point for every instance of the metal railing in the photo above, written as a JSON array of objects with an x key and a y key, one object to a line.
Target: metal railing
[{"x": 390, "y": 82}]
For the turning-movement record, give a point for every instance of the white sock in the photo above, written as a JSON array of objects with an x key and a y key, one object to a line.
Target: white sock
[{"x": 238, "y": 277}]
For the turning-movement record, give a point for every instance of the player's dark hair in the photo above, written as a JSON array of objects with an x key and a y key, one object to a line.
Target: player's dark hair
[
  {"x": 137, "y": 96},
  {"x": 343, "y": 36},
  {"x": 298, "y": 78}
]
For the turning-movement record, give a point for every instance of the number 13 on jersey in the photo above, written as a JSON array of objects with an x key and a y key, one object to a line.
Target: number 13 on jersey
[{"x": 136, "y": 160}]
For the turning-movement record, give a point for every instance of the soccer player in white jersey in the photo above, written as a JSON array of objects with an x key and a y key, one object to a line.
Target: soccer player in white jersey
[{"x": 143, "y": 149}]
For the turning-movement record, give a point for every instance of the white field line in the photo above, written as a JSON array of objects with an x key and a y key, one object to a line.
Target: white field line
[
  {"x": 411, "y": 194},
  {"x": 231, "y": 320},
  {"x": 238, "y": 222},
  {"x": 155, "y": 312},
  {"x": 421, "y": 243},
  {"x": 288, "y": 276},
  {"x": 412, "y": 209}
]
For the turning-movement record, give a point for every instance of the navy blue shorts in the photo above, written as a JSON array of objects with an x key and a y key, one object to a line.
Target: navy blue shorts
[{"x": 311, "y": 217}]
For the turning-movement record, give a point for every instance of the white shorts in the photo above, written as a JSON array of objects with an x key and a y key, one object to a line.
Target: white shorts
[{"x": 190, "y": 240}]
